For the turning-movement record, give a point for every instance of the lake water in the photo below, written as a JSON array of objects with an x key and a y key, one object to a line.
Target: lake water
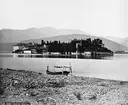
[{"x": 114, "y": 67}]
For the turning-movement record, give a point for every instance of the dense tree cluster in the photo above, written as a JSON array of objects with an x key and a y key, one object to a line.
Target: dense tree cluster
[
  {"x": 95, "y": 45},
  {"x": 79, "y": 45}
]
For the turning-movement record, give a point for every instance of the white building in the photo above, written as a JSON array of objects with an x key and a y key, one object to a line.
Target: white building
[
  {"x": 126, "y": 50},
  {"x": 15, "y": 48},
  {"x": 87, "y": 53},
  {"x": 27, "y": 51}
]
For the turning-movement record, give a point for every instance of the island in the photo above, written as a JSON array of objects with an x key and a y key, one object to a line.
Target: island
[{"x": 75, "y": 47}]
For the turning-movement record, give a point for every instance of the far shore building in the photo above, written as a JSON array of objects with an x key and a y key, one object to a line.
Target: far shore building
[
  {"x": 18, "y": 47},
  {"x": 126, "y": 50},
  {"x": 87, "y": 53},
  {"x": 27, "y": 51},
  {"x": 29, "y": 48},
  {"x": 15, "y": 47}
]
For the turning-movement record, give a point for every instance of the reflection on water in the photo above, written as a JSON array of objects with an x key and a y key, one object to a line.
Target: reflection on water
[
  {"x": 115, "y": 67},
  {"x": 56, "y": 56}
]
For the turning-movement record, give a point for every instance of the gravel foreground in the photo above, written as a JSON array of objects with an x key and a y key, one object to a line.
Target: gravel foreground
[{"x": 42, "y": 89}]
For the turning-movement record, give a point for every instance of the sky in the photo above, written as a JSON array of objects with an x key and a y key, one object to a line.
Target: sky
[{"x": 96, "y": 17}]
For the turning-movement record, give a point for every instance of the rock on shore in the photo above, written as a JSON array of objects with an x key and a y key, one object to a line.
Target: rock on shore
[{"x": 40, "y": 89}]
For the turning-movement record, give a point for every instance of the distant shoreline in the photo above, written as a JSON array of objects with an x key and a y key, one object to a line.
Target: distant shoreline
[
  {"x": 122, "y": 53},
  {"x": 96, "y": 53}
]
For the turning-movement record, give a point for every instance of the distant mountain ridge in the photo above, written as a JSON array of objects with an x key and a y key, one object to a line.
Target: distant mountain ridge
[
  {"x": 15, "y": 36},
  {"x": 123, "y": 41},
  {"x": 50, "y": 34},
  {"x": 115, "y": 39},
  {"x": 114, "y": 46}
]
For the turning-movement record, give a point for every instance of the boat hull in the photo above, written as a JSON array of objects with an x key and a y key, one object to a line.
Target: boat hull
[{"x": 57, "y": 73}]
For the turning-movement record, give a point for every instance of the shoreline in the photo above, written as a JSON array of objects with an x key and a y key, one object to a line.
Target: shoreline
[
  {"x": 86, "y": 53},
  {"x": 38, "y": 88}
]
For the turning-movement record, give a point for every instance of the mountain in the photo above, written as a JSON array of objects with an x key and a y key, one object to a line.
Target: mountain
[
  {"x": 15, "y": 36},
  {"x": 9, "y": 36},
  {"x": 114, "y": 46},
  {"x": 123, "y": 41},
  {"x": 115, "y": 39}
]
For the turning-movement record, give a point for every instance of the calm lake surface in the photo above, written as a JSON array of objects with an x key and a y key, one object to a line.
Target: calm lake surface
[{"x": 113, "y": 67}]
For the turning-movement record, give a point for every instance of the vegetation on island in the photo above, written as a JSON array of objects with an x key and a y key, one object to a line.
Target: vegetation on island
[
  {"x": 80, "y": 45},
  {"x": 77, "y": 45}
]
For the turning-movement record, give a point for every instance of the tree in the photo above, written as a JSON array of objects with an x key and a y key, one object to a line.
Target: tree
[
  {"x": 42, "y": 42},
  {"x": 97, "y": 45}
]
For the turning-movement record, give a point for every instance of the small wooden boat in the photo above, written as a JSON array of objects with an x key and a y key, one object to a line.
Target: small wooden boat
[
  {"x": 63, "y": 72},
  {"x": 57, "y": 73}
]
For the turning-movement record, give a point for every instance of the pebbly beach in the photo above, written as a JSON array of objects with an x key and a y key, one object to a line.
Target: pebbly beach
[{"x": 41, "y": 89}]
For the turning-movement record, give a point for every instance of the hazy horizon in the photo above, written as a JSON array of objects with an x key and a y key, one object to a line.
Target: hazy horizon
[
  {"x": 95, "y": 17},
  {"x": 64, "y": 29}
]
